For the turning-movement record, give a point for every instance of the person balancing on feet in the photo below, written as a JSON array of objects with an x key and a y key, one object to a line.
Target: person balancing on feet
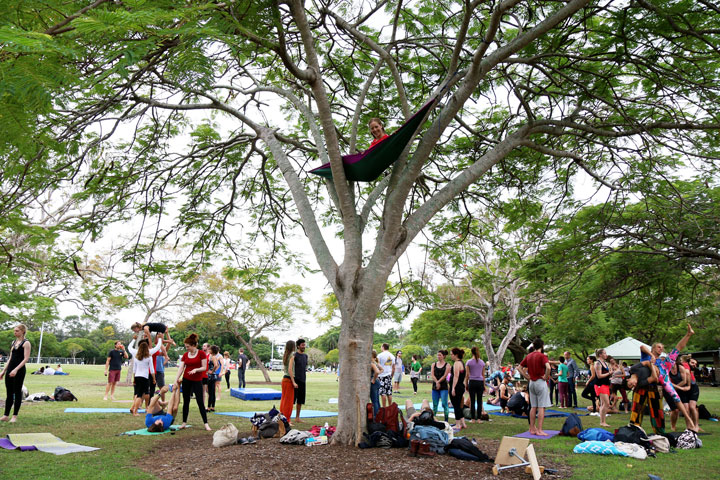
[{"x": 157, "y": 328}]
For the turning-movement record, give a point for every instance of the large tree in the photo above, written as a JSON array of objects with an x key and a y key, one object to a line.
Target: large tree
[{"x": 531, "y": 94}]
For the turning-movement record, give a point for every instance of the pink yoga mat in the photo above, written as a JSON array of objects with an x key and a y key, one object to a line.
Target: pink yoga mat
[
  {"x": 550, "y": 434},
  {"x": 7, "y": 444}
]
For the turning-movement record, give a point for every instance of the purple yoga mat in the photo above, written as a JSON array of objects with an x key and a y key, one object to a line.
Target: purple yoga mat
[
  {"x": 550, "y": 434},
  {"x": 7, "y": 444}
]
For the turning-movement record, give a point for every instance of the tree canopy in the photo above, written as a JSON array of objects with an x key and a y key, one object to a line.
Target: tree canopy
[{"x": 229, "y": 103}]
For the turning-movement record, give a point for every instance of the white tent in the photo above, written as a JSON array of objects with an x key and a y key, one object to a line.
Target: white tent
[{"x": 626, "y": 349}]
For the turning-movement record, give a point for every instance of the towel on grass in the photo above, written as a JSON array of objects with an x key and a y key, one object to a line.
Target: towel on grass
[{"x": 48, "y": 443}]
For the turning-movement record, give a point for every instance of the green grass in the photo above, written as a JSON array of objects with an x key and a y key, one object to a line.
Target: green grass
[{"x": 118, "y": 454}]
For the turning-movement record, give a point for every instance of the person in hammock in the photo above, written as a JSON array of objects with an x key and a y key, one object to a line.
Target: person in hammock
[{"x": 377, "y": 130}]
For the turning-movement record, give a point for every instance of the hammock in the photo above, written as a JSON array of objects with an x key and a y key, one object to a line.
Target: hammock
[{"x": 369, "y": 165}]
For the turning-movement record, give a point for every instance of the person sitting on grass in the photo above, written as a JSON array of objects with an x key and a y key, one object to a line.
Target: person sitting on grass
[
  {"x": 424, "y": 416},
  {"x": 156, "y": 420},
  {"x": 519, "y": 403},
  {"x": 504, "y": 394},
  {"x": 146, "y": 328}
]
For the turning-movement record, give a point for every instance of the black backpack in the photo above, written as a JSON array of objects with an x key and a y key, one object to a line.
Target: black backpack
[
  {"x": 572, "y": 426},
  {"x": 632, "y": 434},
  {"x": 64, "y": 395},
  {"x": 703, "y": 412}
]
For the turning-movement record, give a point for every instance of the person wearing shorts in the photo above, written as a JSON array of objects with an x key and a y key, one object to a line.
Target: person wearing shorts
[
  {"x": 387, "y": 363},
  {"x": 113, "y": 368},
  {"x": 399, "y": 369},
  {"x": 300, "y": 372},
  {"x": 536, "y": 369},
  {"x": 692, "y": 395}
]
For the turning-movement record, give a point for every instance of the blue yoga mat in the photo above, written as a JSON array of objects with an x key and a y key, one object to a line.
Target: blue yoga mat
[
  {"x": 303, "y": 414},
  {"x": 100, "y": 410},
  {"x": 255, "y": 393}
]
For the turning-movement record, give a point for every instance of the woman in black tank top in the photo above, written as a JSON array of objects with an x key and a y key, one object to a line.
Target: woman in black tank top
[
  {"x": 457, "y": 386},
  {"x": 602, "y": 384},
  {"x": 14, "y": 373}
]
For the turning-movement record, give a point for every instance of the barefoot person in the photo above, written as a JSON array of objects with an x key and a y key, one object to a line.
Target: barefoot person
[
  {"x": 299, "y": 375},
  {"x": 226, "y": 368},
  {"x": 536, "y": 369},
  {"x": 664, "y": 364},
  {"x": 602, "y": 384},
  {"x": 144, "y": 370},
  {"x": 14, "y": 373},
  {"x": 457, "y": 386},
  {"x": 113, "y": 368},
  {"x": 192, "y": 365},
  {"x": 475, "y": 384},
  {"x": 387, "y": 362},
  {"x": 214, "y": 368},
  {"x": 156, "y": 420},
  {"x": 288, "y": 384},
  {"x": 439, "y": 372}
]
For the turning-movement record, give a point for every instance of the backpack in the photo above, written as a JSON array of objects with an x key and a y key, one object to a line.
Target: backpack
[
  {"x": 660, "y": 443},
  {"x": 703, "y": 412},
  {"x": 388, "y": 416},
  {"x": 688, "y": 439},
  {"x": 632, "y": 434},
  {"x": 64, "y": 395},
  {"x": 464, "y": 449},
  {"x": 226, "y": 435},
  {"x": 370, "y": 413},
  {"x": 572, "y": 426}
]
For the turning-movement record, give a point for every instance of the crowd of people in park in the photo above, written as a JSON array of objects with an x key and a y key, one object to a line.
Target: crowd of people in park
[
  {"x": 526, "y": 389},
  {"x": 539, "y": 382}
]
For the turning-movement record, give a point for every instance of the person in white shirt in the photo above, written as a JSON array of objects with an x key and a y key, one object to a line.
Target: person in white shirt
[
  {"x": 387, "y": 363},
  {"x": 144, "y": 367},
  {"x": 48, "y": 370}
]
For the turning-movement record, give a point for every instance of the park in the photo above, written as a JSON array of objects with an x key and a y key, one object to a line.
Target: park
[{"x": 437, "y": 175}]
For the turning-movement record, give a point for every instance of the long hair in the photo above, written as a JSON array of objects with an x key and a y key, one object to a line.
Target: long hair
[
  {"x": 459, "y": 353},
  {"x": 289, "y": 349},
  {"x": 143, "y": 351},
  {"x": 475, "y": 353}
]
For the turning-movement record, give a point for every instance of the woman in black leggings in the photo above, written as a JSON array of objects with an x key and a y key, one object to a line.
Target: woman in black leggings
[
  {"x": 192, "y": 365},
  {"x": 14, "y": 373}
]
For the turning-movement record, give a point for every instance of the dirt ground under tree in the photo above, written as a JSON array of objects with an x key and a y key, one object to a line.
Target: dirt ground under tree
[{"x": 182, "y": 456}]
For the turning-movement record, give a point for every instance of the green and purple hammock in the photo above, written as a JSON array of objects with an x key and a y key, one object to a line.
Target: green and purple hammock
[{"x": 369, "y": 165}]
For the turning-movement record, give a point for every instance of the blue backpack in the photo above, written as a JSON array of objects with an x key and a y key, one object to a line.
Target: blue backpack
[{"x": 572, "y": 426}]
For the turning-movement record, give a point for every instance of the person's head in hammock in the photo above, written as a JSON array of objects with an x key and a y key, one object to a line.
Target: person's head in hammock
[{"x": 377, "y": 130}]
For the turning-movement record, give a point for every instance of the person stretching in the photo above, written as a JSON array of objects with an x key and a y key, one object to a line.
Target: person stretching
[
  {"x": 156, "y": 420},
  {"x": 191, "y": 367},
  {"x": 15, "y": 370},
  {"x": 664, "y": 364}
]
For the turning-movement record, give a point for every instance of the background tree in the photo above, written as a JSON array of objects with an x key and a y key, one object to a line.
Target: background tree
[
  {"x": 247, "y": 301},
  {"x": 537, "y": 92}
]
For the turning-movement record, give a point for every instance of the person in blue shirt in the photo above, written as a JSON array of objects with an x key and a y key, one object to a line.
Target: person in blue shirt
[{"x": 156, "y": 419}]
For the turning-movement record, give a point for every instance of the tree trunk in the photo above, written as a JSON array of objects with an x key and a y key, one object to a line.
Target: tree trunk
[{"x": 355, "y": 347}]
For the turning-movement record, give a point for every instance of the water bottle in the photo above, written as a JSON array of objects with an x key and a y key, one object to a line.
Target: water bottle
[{"x": 322, "y": 432}]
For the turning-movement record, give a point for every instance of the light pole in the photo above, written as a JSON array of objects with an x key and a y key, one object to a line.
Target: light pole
[{"x": 42, "y": 330}]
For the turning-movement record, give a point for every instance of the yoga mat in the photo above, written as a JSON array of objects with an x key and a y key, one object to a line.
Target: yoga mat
[
  {"x": 490, "y": 408},
  {"x": 303, "y": 414},
  {"x": 144, "y": 431},
  {"x": 100, "y": 410},
  {"x": 550, "y": 434},
  {"x": 7, "y": 445},
  {"x": 48, "y": 443}
]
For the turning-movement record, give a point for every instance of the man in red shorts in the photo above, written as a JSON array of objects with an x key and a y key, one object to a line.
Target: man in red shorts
[{"x": 113, "y": 367}]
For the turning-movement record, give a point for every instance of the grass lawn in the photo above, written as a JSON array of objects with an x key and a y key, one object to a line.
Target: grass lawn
[{"x": 118, "y": 453}]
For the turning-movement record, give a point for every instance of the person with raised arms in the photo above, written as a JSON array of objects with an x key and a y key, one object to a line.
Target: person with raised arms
[{"x": 144, "y": 370}]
